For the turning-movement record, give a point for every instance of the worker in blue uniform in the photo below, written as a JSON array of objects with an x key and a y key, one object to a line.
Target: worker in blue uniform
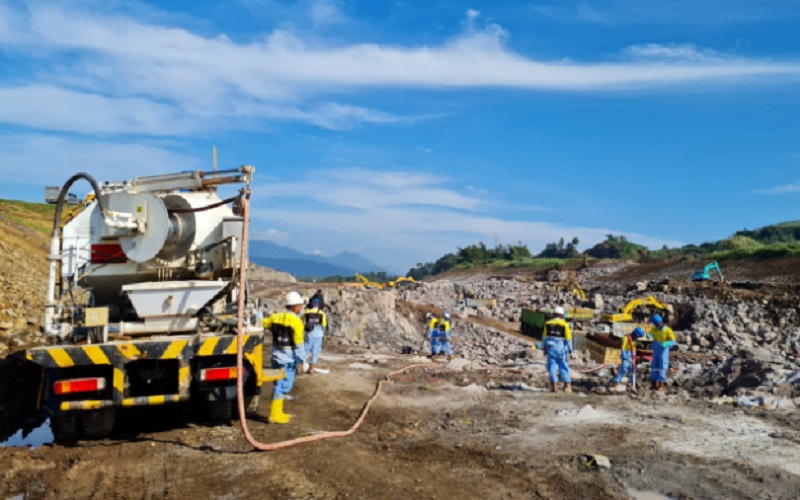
[
  {"x": 557, "y": 341},
  {"x": 315, "y": 321},
  {"x": 443, "y": 329},
  {"x": 627, "y": 356},
  {"x": 288, "y": 349},
  {"x": 663, "y": 339}
]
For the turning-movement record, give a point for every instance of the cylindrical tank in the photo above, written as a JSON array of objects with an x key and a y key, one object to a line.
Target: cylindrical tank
[{"x": 178, "y": 233}]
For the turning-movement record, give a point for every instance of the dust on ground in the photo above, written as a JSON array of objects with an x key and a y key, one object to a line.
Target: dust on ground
[{"x": 434, "y": 433}]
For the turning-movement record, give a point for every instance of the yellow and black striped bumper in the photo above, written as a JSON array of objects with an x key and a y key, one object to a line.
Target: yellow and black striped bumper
[{"x": 119, "y": 354}]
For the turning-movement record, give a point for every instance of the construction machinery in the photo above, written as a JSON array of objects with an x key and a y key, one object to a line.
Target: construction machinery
[
  {"x": 626, "y": 314},
  {"x": 704, "y": 274},
  {"x": 366, "y": 283},
  {"x": 572, "y": 286},
  {"x": 141, "y": 301},
  {"x": 397, "y": 282}
]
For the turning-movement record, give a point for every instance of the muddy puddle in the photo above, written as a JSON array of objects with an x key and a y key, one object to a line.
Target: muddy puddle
[{"x": 34, "y": 438}]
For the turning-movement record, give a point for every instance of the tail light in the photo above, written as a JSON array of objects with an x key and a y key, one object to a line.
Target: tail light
[
  {"x": 79, "y": 385},
  {"x": 217, "y": 374},
  {"x": 108, "y": 253}
]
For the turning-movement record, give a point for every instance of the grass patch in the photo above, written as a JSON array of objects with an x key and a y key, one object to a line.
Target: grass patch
[
  {"x": 761, "y": 252},
  {"x": 517, "y": 263}
]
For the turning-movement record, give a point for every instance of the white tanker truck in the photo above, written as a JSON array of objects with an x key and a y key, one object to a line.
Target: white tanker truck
[{"x": 142, "y": 301}]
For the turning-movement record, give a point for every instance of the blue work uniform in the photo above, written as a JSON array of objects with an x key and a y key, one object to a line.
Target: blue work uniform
[
  {"x": 442, "y": 333},
  {"x": 288, "y": 348},
  {"x": 434, "y": 334},
  {"x": 663, "y": 339},
  {"x": 557, "y": 340},
  {"x": 626, "y": 367},
  {"x": 315, "y": 322}
]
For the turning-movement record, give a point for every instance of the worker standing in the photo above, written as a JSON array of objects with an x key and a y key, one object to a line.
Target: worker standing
[
  {"x": 663, "y": 339},
  {"x": 288, "y": 349},
  {"x": 433, "y": 335},
  {"x": 443, "y": 330},
  {"x": 557, "y": 340},
  {"x": 628, "y": 353},
  {"x": 315, "y": 321}
]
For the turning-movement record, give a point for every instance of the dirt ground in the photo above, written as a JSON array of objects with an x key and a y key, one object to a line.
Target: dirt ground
[{"x": 437, "y": 433}]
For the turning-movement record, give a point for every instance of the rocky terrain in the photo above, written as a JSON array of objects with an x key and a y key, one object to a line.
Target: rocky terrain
[{"x": 483, "y": 423}]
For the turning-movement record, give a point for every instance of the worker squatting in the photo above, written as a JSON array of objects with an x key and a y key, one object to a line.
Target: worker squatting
[{"x": 297, "y": 334}]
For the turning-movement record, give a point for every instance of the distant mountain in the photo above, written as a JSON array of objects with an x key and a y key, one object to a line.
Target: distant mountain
[
  {"x": 287, "y": 259},
  {"x": 353, "y": 260},
  {"x": 303, "y": 268}
]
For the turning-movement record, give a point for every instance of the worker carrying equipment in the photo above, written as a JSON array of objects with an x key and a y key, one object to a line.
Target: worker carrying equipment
[
  {"x": 315, "y": 322},
  {"x": 628, "y": 354},
  {"x": 557, "y": 340},
  {"x": 288, "y": 349},
  {"x": 663, "y": 339}
]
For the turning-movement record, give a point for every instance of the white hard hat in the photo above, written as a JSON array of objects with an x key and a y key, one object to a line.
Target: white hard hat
[
  {"x": 560, "y": 310},
  {"x": 294, "y": 299}
]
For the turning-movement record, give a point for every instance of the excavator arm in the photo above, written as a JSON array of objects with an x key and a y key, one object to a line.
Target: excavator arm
[{"x": 626, "y": 314}]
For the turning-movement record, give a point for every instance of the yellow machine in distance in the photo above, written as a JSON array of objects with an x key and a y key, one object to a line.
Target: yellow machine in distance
[
  {"x": 625, "y": 315},
  {"x": 573, "y": 286}
]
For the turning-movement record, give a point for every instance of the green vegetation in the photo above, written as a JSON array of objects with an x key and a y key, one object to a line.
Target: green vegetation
[
  {"x": 769, "y": 242},
  {"x": 617, "y": 247},
  {"x": 36, "y": 216},
  {"x": 501, "y": 256},
  {"x": 560, "y": 250},
  {"x": 380, "y": 277}
]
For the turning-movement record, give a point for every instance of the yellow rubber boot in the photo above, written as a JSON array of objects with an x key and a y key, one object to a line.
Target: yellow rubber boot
[{"x": 276, "y": 415}]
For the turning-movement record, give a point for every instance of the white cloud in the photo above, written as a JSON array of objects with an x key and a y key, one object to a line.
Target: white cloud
[
  {"x": 401, "y": 216},
  {"x": 326, "y": 13},
  {"x": 53, "y": 108},
  {"x": 56, "y": 158},
  {"x": 586, "y": 13},
  {"x": 316, "y": 251},
  {"x": 164, "y": 74},
  {"x": 684, "y": 53},
  {"x": 368, "y": 190},
  {"x": 270, "y": 234},
  {"x": 783, "y": 189}
]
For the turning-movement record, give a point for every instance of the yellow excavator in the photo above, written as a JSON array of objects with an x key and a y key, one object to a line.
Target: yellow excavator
[
  {"x": 366, "y": 283},
  {"x": 573, "y": 286},
  {"x": 392, "y": 284},
  {"x": 625, "y": 314}
]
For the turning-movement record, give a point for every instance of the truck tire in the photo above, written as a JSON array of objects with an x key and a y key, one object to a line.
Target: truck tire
[
  {"x": 251, "y": 404},
  {"x": 219, "y": 412},
  {"x": 66, "y": 428},
  {"x": 98, "y": 424}
]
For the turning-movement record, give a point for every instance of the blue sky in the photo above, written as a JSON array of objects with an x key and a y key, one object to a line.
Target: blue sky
[{"x": 403, "y": 129}]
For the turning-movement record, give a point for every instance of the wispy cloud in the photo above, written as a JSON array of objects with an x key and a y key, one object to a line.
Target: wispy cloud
[
  {"x": 270, "y": 234},
  {"x": 141, "y": 76},
  {"x": 363, "y": 189},
  {"x": 400, "y": 215},
  {"x": 56, "y": 157},
  {"x": 682, "y": 12},
  {"x": 782, "y": 189},
  {"x": 677, "y": 52}
]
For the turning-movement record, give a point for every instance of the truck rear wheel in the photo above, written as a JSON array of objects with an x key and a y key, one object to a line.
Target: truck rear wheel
[
  {"x": 66, "y": 428},
  {"x": 98, "y": 424},
  {"x": 219, "y": 412}
]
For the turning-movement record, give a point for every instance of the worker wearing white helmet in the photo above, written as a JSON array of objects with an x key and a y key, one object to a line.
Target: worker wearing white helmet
[
  {"x": 440, "y": 336},
  {"x": 288, "y": 349},
  {"x": 557, "y": 340}
]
